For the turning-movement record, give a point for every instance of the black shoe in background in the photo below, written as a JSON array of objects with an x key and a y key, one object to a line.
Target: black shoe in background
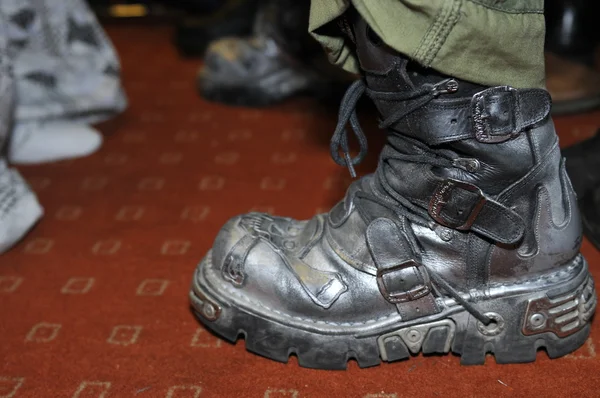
[
  {"x": 590, "y": 210},
  {"x": 583, "y": 167},
  {"x": 583, "y": 164},
  {"x": 279, "y": 60},
  {"x": 196, "y": 28}
]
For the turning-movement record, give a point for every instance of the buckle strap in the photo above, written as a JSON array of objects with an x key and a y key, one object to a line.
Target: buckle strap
[
  {"x": 403, "y": 282},
  {"x": 494, "y": 115},
  {"x": 400, "y": 278},
  {"x": 463, "y": 206},
  {"x": 501, "y": 113}
]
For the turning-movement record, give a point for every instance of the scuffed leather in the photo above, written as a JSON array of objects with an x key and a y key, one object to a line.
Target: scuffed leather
[
  {"x": 326, "y": 269},
  {"x": 271, "y": 283},
  {"x": 400, "y": 277}
]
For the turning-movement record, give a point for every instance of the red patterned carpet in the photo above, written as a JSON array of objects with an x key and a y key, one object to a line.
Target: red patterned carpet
[{"x": 94, "y": 302}]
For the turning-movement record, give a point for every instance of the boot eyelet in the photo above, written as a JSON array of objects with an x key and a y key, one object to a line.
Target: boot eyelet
[
  {"x": 446, "y": 235},
  {"x": 495, "y": 327},
  {"x": 289, "y": 245},
  {"x": 470, "y": 165}
]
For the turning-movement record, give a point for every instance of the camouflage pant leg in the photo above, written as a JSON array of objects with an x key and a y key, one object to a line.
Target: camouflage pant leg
[
  {"x": 6, "y": 92},
  {"x": 64, "y": 64},
  {"x": 19, "y": 208}
]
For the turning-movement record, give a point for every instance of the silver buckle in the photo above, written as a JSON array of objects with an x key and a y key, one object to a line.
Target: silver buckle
[
  {"x": 442, "y": 195},
  {"x": 483, "y": 131},
  {"x": 410, "y": 295}
]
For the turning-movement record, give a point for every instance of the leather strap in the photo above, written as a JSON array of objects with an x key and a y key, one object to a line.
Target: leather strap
[
  {"x": 477, "y": 274},
  {"x": 400, "y": 278},
  {"x": 463, "y": 206},
  {"x": 493, "y": 115},
  {"x": 233, "y": 265}
]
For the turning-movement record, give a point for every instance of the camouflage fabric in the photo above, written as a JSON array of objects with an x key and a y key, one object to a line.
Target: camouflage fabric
[
  {"x": 64, "y": 65},
  {"x": 56, "y": 63}
]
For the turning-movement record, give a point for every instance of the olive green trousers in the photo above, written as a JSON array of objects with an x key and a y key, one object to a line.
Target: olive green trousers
[{"x": 490, "y": 42}]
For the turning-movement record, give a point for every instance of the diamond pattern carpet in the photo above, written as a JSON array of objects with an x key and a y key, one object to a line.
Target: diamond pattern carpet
[{"x": 93, "y": 303}]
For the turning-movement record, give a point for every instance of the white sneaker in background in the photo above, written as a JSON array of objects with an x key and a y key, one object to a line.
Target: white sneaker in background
[
  {"x": 42, "y": 142},
  {"x": 19, "y": 207}
]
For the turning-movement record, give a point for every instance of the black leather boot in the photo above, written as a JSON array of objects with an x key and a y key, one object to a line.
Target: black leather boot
[
  {"x": 465, "y": 239},
  {"x": 572, "y": 68},
  {"x": 571, "y": 29},
  {"x": 204, "y": 22},
  {"x": 278, "y": 61}
]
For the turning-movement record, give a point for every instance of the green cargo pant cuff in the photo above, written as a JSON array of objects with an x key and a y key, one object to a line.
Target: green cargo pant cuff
[{"x": 489, "y": 42}]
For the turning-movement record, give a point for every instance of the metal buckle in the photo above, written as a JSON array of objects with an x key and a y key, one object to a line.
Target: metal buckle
[
  {"x": 483, "y": 131},
  {"x": 410, "y": 295},
  {"x": 442, "y": 195}
]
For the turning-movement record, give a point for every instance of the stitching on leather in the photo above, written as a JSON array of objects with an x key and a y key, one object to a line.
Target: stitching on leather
[
  {"x": 508, "y": 214},
  {"x": 540, "y": 198},
  {"x": 536, "y": 117},
  {"x": 470, "y": 261},
  {"x": 576, "y": 262},
  {"x": 314, "y": 239},
  {"x": 543, "y": 191},
  {"x": 513, "y": 190},
  {"x": 494, "y": 235},
  {"x": 543, "y": 195},
  {"x": 496, "y": 208},
  {"x": 519, "y": 112},
  {"x": 432, "y": 301},
  {"x": 357, "y": 249},
  {"x": 565, "y": 185},
  {"x": 544, "y": 97},
  {"x": 210, "y": 270},
  {"x": 356, "y": 262}
]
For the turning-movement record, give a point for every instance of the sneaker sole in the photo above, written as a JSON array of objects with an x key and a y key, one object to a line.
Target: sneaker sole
[{"x": 552, "y": 312}]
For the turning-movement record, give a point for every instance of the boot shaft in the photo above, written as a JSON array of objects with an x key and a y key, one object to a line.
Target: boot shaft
[{"x": 505, "y": 201}]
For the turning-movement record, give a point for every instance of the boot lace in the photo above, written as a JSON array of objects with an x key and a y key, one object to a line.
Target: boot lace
[{"x": 412, "y": 100}]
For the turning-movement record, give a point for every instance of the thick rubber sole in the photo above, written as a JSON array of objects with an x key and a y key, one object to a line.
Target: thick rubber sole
[{"x": 527, "y": 319}]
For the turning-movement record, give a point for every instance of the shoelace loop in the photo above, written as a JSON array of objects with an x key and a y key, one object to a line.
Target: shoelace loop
[{"x": 347, "y": 114}]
